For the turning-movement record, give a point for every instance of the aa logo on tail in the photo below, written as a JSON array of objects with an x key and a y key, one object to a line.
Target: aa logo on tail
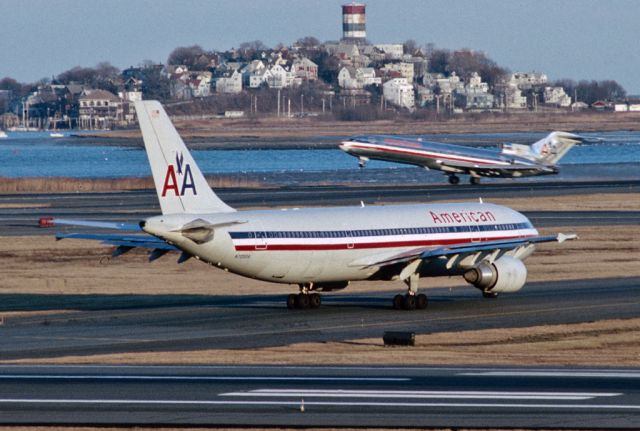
[{"x": 178, "y": 178}]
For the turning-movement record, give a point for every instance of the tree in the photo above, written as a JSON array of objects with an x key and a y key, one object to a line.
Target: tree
[
  {"x": 186, "y": 55},
  {"x": 249, "y": 51},
  {"x": 308, "y": 42},
  {"x": 592, "y": 91},
  {"x": 155, "y": 84},
  {"x": 104, "y": 76},
  {"x": 410, "y": 46}
]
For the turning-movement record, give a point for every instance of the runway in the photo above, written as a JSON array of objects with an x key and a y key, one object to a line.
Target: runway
[
  {"x": 19, "y": 213},
  {"x": 321, "y": 396},
  {"x": 333, "y": 396},
  {"x": 107, "y": 324}
]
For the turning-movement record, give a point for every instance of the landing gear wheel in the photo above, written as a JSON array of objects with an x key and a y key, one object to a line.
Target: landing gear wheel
[
  {"x": 409, "y": 302},
  {"x": 421, "y": 301},
  {"x": 490, "y": 295},
  {"x": 454, "y": 179},
  {"x": 291, "y": 301},
  {"x": 315, "y": 300},
  {"x": 398, "y": 302},
  {"x": 302, "y": 301},
  {"x": 474, "y": 180}
]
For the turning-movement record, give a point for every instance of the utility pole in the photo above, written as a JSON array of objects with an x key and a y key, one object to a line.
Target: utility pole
[
  {"x": 278, "y": 102},
  {"x": 301, "y": 104}
]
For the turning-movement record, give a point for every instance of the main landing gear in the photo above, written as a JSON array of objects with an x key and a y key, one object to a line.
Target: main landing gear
[
  {"x": 412, "y": 300},
  {"x": 304, "y": 300},
  {"x": 474, "y": 180},
  {"x": 454, "y": 179}
]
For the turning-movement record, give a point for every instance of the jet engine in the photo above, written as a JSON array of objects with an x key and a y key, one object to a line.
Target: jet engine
[{"x": 506, "y": 274}]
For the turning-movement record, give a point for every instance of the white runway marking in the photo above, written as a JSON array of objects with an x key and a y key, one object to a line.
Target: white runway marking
[
  {"x": 296, "y": 404},
  {"x": 587, "y": 374},
  {"x": 199, "y": 378},
  {"x": 388, "y": 394}
]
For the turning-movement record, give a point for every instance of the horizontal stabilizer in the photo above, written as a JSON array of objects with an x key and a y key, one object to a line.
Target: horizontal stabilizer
[{"x": 134, "y": 227}]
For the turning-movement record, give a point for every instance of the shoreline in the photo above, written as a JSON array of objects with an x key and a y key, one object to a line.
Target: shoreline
[{"x": 320, "y": 132}]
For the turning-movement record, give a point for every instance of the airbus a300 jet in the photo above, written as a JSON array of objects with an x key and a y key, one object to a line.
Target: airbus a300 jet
[
  {"x": 513, "y": 160},
  {"x": 320, "y": 249}
]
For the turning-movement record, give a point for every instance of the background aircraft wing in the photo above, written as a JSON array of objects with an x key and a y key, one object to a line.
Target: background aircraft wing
[
  {"x": 466, "y": 254},
  {"x": 502, "y": 169}
]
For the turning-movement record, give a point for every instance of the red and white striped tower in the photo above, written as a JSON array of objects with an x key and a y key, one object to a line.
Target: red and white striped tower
[{"x": 354, "y": 22}]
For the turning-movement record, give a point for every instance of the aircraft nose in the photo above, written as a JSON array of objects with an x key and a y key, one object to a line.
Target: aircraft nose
[{"x": 345, "y": 146}]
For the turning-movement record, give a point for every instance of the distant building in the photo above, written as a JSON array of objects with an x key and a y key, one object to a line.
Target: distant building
[
  {"x": 100, "y": 109},
  {"x": 399, "y": 92},
  {"x": 404, "y": 69},
  {"x": 392, "y": 51},
  {"x": 556, "y": 96},
  {"x": 526, "y": 80},
  {"x": 305, "y": 69},
  {"x": 354, "y": 22},
  {"x": 514, "y": 99},
  {"x": 357, "y": 78},
  {"x": 229, "y": 83},
  {"x": 475, "y": 94}
]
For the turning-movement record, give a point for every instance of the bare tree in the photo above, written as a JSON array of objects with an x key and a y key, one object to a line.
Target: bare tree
[{"x": 186, "y": 55}]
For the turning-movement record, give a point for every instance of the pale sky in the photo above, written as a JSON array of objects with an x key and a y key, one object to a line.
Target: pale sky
[{"x": 578, "y": 39}]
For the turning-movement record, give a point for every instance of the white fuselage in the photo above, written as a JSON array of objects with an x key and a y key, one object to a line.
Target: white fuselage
[{"x": 323, "y": 245}]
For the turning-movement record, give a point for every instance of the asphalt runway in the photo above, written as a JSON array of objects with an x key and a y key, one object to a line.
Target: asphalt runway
[
  {"x": 106, "y": 324},
  {"x": 322, "y": 396},
  {"x": 19, "y": 213},
  {"x": 271, "y": 396}
]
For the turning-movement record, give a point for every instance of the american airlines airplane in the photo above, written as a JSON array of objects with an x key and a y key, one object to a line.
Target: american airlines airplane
[
  {"x": 320, "y": 249},
  {"x": 514, "y": 160}
]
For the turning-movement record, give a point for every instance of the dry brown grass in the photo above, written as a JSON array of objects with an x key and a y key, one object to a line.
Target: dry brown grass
[
  {"x": 606, "y": 343},
  {"x": 66, "y": 185}
]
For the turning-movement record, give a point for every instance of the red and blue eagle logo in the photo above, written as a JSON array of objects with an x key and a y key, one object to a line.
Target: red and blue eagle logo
[{"x": 179, "y": 178}]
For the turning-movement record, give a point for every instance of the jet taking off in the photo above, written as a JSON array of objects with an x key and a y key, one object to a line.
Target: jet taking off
[
  {"x": 321, "y": 249},
  {"x": 514, "y": 160}
]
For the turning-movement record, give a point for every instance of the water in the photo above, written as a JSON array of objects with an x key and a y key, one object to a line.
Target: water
[{"x": 38, "y": 155}]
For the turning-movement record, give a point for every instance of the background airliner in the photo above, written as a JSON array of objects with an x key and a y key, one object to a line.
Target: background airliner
[
  {"x": 320, "y": 249},
  {"x": 514, "y": 160}
]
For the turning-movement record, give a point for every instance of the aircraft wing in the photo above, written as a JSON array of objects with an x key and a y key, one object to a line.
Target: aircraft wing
[
  {"x": 495, "y": 168},
  {"x": 466, "y": 254}
]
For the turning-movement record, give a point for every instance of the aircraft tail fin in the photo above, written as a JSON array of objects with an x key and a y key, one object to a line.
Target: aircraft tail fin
[
  {"x": 181, "y": 186},
  {"x": 548, "y": 150}
]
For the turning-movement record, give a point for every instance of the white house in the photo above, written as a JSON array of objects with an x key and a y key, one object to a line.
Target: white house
[
  {"x": 280, "y": 77},
  {"x": 229, "y": 84},
  {"x": 404, "y": 69},
  {"x": 357, "y": 78},
  {"x": 399, "y": 92},
  {"x": 526, "y": 80},
  {"x": 392, "y": 51},
  {"x": 556, "y": 96},
  {"x": 305, "y": 69}
]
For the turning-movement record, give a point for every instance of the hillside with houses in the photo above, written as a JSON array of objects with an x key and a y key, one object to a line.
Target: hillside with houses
[{"x": 347, "y": 79}]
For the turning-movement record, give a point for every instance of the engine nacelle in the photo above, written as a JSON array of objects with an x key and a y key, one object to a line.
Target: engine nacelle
[{"x": 506, "y": 274}]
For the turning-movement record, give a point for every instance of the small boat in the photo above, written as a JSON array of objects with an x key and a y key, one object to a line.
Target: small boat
[
  {"x": 3, "y": 134},
  {"x": 56, "y": 135}
]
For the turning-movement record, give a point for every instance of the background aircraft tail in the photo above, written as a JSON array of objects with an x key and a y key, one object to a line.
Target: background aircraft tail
[
  {"x": 548, "y": 150},
  {"x": 180, "y": 185}
]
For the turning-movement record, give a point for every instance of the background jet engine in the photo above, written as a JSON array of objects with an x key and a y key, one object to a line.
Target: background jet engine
[{"x": 506, "y": 274}]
